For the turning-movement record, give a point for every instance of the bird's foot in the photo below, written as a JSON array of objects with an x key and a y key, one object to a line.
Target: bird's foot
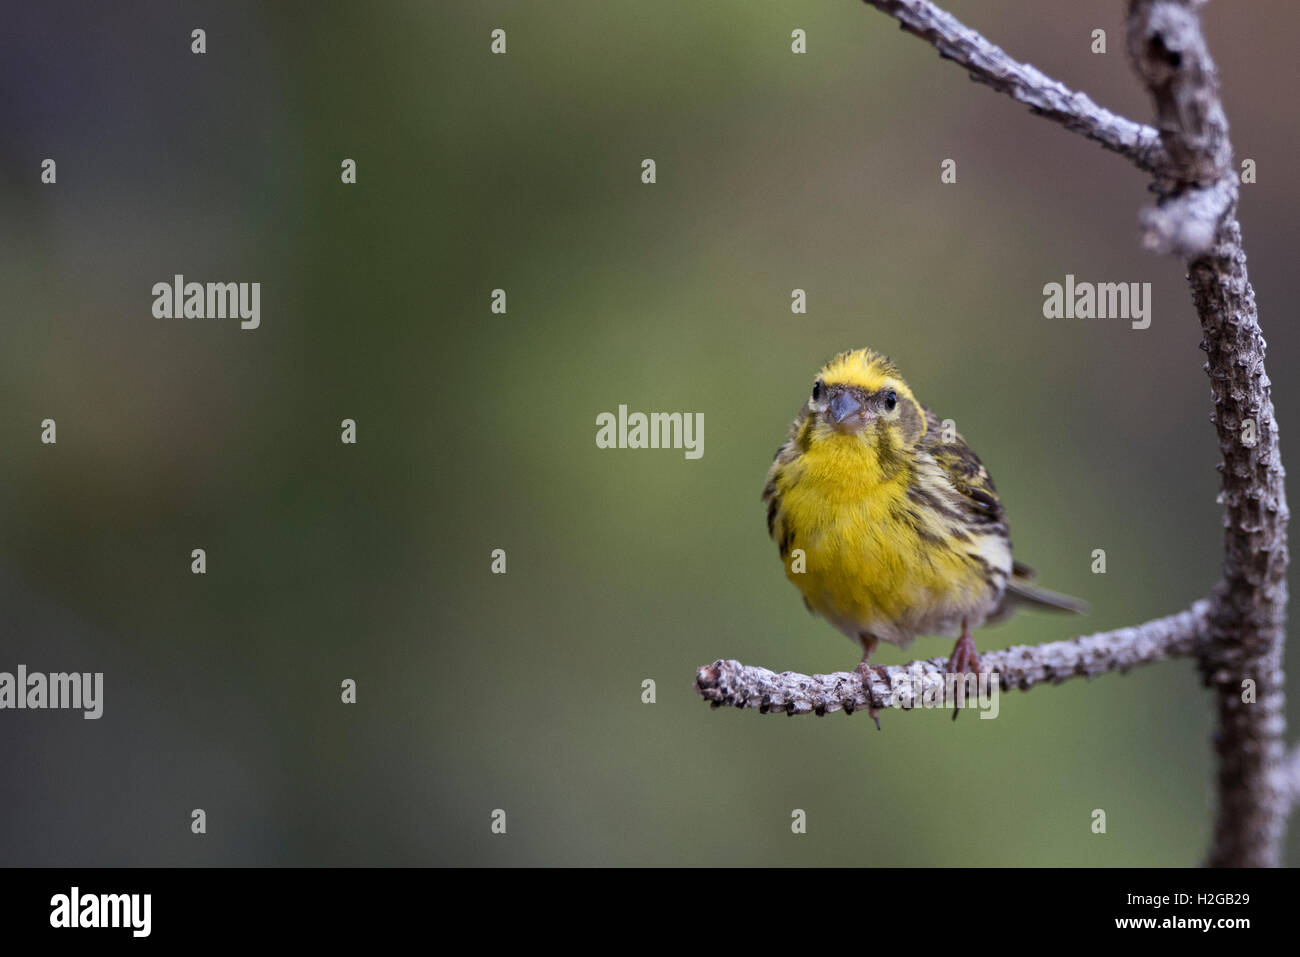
[
  {"x": 965, "y": 660},
  {"x": 867, "y": 673}
]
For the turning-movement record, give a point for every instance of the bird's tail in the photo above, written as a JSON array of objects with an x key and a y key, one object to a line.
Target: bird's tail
[{"x": 1021, "y": 588}]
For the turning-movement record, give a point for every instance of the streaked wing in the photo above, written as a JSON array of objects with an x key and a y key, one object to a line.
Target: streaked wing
[{"x": 963, "y": 469}]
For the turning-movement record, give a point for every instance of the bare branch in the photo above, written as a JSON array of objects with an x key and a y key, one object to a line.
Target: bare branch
[
  {"x": 1170, "y": 54},
  {"x": 1242, "y": 661},
  {"x": 1187, "y": 224},
  {"x": 1047, "y": 97},
  {"x": 1021, "y": 667}
]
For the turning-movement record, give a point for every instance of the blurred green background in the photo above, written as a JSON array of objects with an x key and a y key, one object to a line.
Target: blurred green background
[{"x": 476, "y": 431}]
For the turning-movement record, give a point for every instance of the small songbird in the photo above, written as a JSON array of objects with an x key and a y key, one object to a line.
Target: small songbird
[{"x": 887, "y": 522}]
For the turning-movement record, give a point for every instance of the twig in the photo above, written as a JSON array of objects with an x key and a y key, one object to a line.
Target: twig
[
  {"x": 989, "y": 64},
  {"x": 1021, "y": 668}
]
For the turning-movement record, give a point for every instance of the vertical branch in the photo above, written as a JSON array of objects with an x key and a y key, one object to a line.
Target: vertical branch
[{"x": 1196, "y": 217}]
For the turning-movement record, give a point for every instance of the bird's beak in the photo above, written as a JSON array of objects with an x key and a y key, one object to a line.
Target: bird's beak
[{"x": 846, "y": 412}]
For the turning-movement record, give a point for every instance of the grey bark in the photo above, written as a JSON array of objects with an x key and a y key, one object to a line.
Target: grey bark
[
  {"x": 1019, "y": 668},
  {"x": 990, "y": 65},
  {"x": 1248, "y": 619}
]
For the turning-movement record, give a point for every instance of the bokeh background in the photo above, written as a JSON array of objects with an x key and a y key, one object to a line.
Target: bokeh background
[{"x": 476, "y": 431}]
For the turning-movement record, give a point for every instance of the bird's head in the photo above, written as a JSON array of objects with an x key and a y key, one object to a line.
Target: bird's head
[{"x": 859, "y": 396}]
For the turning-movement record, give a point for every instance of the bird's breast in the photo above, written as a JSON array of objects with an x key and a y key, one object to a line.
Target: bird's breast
[{"x": 873, "y": 562}]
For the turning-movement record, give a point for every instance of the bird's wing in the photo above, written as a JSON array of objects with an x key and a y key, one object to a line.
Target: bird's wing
[
  {"x": 969, "y": 477},
  {"x": 963, "y": 469},
  {"x": 1023, "y": 571}
]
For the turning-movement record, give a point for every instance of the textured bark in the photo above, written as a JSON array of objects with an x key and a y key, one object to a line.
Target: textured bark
[
  {"x": 1248, "y": 620},
  {"x": 1238, "y": 633},
  {"x": 989, "y": 64},
  {"x": 1019, "y": 668}
]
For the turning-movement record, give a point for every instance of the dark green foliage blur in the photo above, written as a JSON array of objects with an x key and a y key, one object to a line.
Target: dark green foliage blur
[{"x": 476, "y": 431}]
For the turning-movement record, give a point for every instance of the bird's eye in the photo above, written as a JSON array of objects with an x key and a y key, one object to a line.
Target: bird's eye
[
  {"x": 817, "y": 391},
  {"x": 891, "y": 400}
]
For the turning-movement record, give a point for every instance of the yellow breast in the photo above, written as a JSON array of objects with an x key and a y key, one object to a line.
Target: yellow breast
[{"x": 872, "y": 561}]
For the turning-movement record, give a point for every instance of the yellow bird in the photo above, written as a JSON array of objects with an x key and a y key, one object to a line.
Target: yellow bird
[{"x": 887, "y": 522}]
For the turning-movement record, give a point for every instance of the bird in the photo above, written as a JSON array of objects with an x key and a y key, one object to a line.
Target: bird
[{"x": 887, "y": 522}]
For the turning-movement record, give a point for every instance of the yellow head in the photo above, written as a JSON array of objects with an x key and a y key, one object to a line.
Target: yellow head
[{"x": 859, "y": 397}]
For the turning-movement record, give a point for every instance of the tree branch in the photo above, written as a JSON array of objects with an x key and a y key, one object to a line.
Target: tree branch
[
  {"x": 1021, "y": 668},
  {"x": 1248, "y": 621},
  {"x": 1047, "y": 97},
  {"x": 1186, "y": 224}
]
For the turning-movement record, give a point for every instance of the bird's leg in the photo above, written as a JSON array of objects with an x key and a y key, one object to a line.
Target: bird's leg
[
  {"x": 964, "y": 659},
  {"x": 868, "y": 646}
]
